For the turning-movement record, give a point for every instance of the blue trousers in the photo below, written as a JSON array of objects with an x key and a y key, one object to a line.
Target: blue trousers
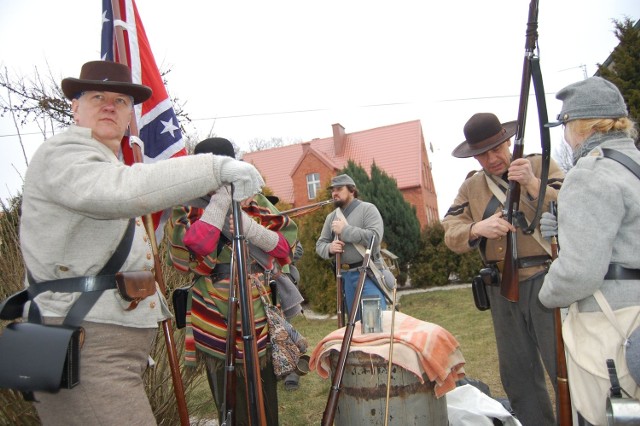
[{"x": 350, "y": 283}]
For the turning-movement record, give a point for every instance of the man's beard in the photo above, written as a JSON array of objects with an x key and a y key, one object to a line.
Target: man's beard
[{"x": 338, "y": 203}]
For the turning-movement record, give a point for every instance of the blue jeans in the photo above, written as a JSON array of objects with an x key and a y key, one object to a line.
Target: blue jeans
[{"x": 350, "y": 283}]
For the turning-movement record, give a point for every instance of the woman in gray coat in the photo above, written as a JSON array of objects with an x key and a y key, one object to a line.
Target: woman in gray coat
[{"x": 598, "y": 217}]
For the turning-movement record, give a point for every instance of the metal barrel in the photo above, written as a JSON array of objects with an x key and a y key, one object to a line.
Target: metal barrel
[
  {"x": 623, "y": 411},
  {"x": 364, "y": 390}
]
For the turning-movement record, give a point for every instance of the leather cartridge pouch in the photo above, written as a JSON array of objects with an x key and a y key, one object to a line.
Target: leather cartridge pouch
[
  {"x": 135, "y": 286},
  {"x": 38, "y": 357},
  {"x": 487, "y": 276}
]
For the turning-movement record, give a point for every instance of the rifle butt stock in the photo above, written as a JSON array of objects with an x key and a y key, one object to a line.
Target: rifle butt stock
[
  {"x": 565, "y": 416},
  {"x": 509, "y": 284}
]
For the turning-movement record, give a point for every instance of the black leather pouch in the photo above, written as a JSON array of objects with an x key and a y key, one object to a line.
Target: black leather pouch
[
  {"x": 480, "y": 297},
  {"x": 179, "y": 297},
  {"x": 12, "y": 307},
  {"x": 37, "y": 357}
]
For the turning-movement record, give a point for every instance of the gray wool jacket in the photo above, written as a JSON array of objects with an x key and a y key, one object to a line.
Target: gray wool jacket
[
  {"x": 77, "y": 201},
  {"x": 598, "y": 224},
  {"x": 364, "y": 222}
]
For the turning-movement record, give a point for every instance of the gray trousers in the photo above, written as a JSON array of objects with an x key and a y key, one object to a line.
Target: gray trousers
[
  {"x": 111, "y": 390},
  {"x": 525, "y": 336}
]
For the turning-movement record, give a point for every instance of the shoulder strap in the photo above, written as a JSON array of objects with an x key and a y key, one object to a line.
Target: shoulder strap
[
  {"x": 623, "y": 159},
  {"x": 608, "y": 312},
  {"x": 119, "y": 256},
  {"x": 502, "y": 198},
  {"x": 87, "y": 299},
  {"x": 492, "y": 205},
  {"x": 90, "y": 294}
]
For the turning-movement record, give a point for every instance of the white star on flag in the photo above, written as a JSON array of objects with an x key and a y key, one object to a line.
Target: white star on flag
[{"x": 168, "y": 127}]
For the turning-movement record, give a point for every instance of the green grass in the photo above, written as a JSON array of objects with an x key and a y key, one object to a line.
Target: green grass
[{"x": 452, "y": 309}]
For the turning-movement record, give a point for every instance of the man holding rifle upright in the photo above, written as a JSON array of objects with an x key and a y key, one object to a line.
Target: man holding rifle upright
[
  {"x": 354, "y": 222},
  {"x": 524, "y": 329}
]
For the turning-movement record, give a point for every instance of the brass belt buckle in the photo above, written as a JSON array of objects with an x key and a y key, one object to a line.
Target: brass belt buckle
[{"x": 345, "y": 266}]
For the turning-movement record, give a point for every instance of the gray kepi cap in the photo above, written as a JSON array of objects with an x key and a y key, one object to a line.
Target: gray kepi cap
[
  {"x": 593, "y": 97},
  {"x": 342, "y": 180}
]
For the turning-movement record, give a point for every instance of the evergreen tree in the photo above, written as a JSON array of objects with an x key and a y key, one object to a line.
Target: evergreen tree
[
  {"x": 317, "y": 277},
  {"x": 361, "y": 178},
  {"x": 624, "y": 70},
  {"x": 434, "y": 263},
  {"x": 401, "y": 225}
]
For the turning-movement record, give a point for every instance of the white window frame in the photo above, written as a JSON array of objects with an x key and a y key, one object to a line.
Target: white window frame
[{"x": 313, "y": 185}]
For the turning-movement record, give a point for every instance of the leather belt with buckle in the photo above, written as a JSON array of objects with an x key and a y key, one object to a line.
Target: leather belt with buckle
[
  {"x": 526, "y": 262},
  {"x": 348, "y": 266}
]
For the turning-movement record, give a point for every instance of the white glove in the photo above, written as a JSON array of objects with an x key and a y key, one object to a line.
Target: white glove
[
  {"x": 258, "y": 235},
  {"x": 548, "y": 225},
  {"x": 216, "y": 212},
  {"x": 245, "y": 178}
]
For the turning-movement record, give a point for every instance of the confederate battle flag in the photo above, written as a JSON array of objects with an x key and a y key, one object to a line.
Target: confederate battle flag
[{"x": 124, "y": 40}]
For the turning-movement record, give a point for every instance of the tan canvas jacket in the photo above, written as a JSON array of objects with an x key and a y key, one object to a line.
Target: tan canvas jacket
[{"x": 470, "y": 204}]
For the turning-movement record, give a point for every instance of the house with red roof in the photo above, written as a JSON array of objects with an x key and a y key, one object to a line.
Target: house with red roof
[{"x": 296, "y": 172}]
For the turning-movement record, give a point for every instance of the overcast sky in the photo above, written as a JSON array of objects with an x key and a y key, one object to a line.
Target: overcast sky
[{"x": 290, "y": 69}]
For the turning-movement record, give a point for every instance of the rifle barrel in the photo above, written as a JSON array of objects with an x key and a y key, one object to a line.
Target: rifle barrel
[
  {"x": 229, "y": 397},
  {"x": 564, "y": 397},
  {"x": 310, "y": 206},
  {"x": 509, "y": 286},
  {"x": 255, "y": 402},
  {"x": 339, "y": 294},
  {"x": 332, "y": 401}
]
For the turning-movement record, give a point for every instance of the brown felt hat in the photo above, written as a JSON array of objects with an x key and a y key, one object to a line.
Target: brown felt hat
[
  {"x": 483, "y": 132},
  {"x": 105, "y": 76}
]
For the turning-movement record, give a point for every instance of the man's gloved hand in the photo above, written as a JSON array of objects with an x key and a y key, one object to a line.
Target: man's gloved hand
[
  {"x": 245, "y": 178},
  {"x": 548, "y": 225},
  {"x": 216, "y": 212}
]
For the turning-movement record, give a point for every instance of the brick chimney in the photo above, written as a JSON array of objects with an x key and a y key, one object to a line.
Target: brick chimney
[{"x": 339, "y": 139}]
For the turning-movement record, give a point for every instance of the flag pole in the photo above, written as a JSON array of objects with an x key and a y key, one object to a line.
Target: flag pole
[{"x": 167, "y": 327}]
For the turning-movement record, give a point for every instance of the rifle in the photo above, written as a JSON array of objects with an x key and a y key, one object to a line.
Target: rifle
[
  {"x": 390, "y": 364},
  {"x": 339, "y": 294},
  {"x": 253, "y": 382},
  {"x": 332, "y": 402},
  {"x": 564, "y": 398},
  {"x": 167, "y": 328},
  {"x": 509, "y": 285},
  {"x": 300, "y": 209},
  {"x": 229, "y": 397}
]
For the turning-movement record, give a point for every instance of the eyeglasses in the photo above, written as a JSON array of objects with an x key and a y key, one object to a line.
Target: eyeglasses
[{"x": 100, "y": 99}]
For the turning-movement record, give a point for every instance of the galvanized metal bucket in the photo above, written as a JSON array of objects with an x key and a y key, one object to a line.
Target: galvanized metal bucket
[{"x": 363, "y": 395}]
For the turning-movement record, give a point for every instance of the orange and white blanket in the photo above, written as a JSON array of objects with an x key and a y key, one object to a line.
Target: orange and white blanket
[{"x": 419, "y": 346}]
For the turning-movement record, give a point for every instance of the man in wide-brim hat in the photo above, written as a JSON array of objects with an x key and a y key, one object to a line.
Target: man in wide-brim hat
[
  {"x": 524, "y": 329},
  {"x": 78, "y": 201}
]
